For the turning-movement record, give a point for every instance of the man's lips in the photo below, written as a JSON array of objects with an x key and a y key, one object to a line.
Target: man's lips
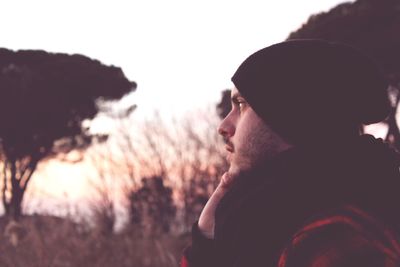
[
  {"x": 228, "y": 144},
  {"x": 229, "y": 148}
]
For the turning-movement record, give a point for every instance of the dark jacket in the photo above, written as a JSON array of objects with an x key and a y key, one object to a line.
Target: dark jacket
[{"x": 266, "y": 209}]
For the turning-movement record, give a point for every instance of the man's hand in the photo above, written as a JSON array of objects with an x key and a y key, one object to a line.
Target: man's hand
[{"x": 207, "y": 216}]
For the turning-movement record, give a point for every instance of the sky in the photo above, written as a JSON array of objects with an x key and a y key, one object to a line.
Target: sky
[{"x": 181, "y": 53}]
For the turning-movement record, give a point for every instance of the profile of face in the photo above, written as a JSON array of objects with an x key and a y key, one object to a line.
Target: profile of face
[{"x": 249, "y": 140}]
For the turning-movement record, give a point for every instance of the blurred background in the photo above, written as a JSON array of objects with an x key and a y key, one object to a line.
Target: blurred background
[{"x": 109, "y": 111}]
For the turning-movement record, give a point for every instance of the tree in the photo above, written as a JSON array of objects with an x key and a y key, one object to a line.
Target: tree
[
  {"x": 373, "y": 27},
  {"x": 152, "y": 206},
  {"x": 186, "y": 153},
  {"x": 224, "y": 106},
  {"x": 44, "y": 99}
]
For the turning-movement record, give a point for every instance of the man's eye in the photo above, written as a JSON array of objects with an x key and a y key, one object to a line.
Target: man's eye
[{"x": 241, "y": 105}]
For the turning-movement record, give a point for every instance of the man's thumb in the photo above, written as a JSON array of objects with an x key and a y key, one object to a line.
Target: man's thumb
[{"x": 226, "y": 180}]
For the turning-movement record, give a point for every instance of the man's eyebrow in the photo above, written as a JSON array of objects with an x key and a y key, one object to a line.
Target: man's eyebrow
[{"x": 235, "y": 96}]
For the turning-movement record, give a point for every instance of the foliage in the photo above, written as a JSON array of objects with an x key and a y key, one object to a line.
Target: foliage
[
  {"x": 50, "y": 241},
  {"x": 191, "y": 156},
  {"x": 152, "y": 207},
  {"x": 372, "y": 26},
  {"x": 44, "y": 99},
  {"x": 183, "y": 155},
  {"x": 224, "y": 106}
]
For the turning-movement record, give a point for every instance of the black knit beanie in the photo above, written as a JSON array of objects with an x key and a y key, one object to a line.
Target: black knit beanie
[{"x": 312, "y": 89}]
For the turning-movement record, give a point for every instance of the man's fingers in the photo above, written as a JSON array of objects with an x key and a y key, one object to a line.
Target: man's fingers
[
  {"x": 223, "y": 187},
  {"x": 207, "y": 217},
  {"x": 226, "y": 180},
  {"x": 220, "y": 191}
]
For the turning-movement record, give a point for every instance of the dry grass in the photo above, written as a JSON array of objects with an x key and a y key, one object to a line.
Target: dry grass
[{"x": 45, "y": 241}]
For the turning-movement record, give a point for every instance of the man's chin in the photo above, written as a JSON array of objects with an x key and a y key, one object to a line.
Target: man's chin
[{"x": 234, "y": 169}]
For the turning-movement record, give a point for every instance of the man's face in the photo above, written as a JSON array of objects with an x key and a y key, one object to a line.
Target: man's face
[{"x": 248, "y": 138}]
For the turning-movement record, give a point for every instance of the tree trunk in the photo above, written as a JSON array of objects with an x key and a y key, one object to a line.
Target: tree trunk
[
  {"x": 393, "y": 135},
  {"x": 16, "y": 193},
  {"x": 17, "y": 178}
]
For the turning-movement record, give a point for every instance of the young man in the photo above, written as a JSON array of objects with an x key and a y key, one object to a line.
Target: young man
[{"x": 303, "y": 187}]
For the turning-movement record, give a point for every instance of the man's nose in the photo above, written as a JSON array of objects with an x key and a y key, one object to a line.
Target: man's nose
[{"x": 226, "y": 128}]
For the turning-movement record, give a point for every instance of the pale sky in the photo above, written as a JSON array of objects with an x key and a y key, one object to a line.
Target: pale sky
[{"x": 181, "y": 53}]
